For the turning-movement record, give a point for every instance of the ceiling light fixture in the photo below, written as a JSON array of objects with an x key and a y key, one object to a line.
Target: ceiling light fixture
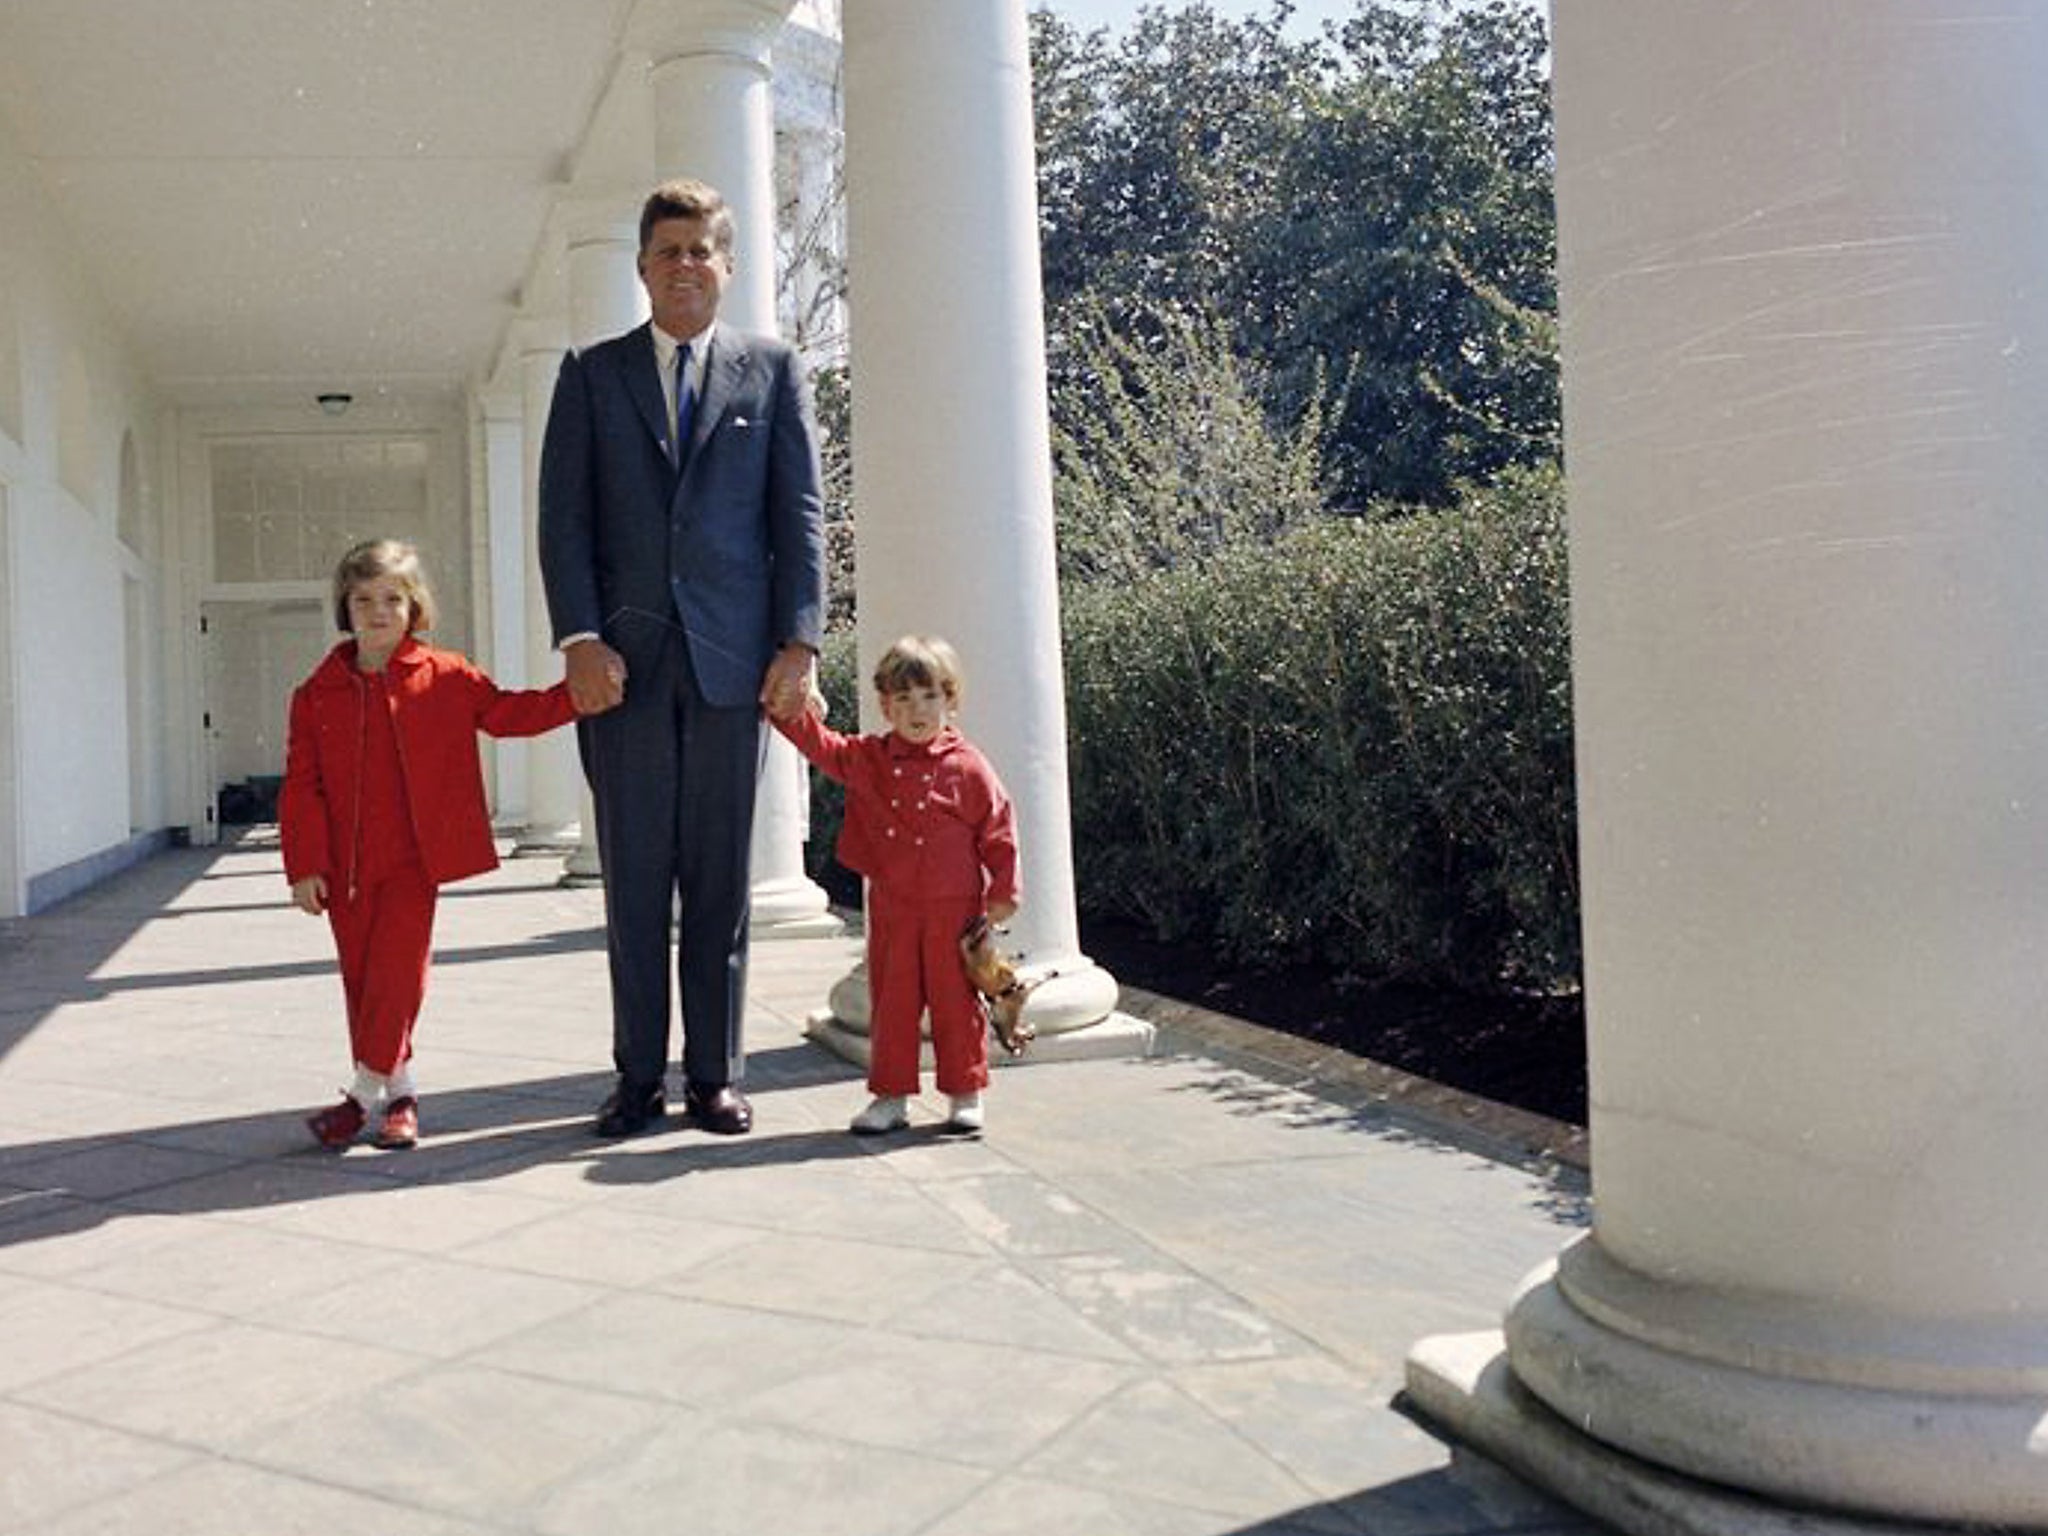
[{"x": 335, "y": 401}]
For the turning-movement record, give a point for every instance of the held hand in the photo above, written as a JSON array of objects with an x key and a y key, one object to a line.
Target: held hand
[
  {"x": 310, "y": 895},
  {"x": 782, "y": 703},
  {"x": 596, "y": 676},
  {"x": 790, "y": 681},
  {"x": 1000, "y": 912},
  {"x": 789, "y": 703}
]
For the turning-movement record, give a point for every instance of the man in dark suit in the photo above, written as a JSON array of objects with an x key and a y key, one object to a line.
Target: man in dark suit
[{"x": 682, "y": 550}]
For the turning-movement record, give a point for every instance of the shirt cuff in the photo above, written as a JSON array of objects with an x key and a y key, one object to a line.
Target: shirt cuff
[{"x": 582, "y": 634}]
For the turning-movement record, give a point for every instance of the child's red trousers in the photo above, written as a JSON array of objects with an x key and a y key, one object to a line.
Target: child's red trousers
[
  {"x": 384, "y": 928},
  {"x": 914, "y": 964},
  {"x": 384, "y": 935}
]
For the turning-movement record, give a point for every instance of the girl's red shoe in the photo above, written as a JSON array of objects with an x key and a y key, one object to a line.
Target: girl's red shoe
[
  {"x": 401, "y": 1127},
  {"x": 338, "y": 1124}
]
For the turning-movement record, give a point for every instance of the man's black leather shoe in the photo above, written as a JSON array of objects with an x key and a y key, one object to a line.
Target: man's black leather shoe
[
  {"x": 630, "y": 1110},
  {"x": 723, "y": 1110}
]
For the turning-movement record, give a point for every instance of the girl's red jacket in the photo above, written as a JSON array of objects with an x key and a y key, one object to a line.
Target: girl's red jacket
[{"x": 439, "y": 700}]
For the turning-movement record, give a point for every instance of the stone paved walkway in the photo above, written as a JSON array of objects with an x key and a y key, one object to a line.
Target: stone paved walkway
[{"x": 1167, "y": 1297}]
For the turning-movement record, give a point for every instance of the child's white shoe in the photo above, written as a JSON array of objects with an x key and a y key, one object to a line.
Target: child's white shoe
[
  {"x": 885, "y": 1113},
  {"x": 966, "y": 1115}
]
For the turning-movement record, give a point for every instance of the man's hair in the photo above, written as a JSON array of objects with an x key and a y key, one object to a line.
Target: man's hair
[
  {"x": 383, "y": 557},
  {"x": 920, "y": 661},
  {"x": 685, "y": 198}
]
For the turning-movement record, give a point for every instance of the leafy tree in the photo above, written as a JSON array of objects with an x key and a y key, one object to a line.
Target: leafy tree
[
  {"x": 1373, "y": 210},
  {"x": 810, "y": 303},
  {"x": 1157, "y": 155},
  {"x": 1421, "y": 230},
  {"x": 1171, "y": 457},
  {"x": 832, "y": 394}
]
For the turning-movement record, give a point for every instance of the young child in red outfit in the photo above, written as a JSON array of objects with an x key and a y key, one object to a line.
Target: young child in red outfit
[
  {"x": 383, "y": 802},
  {"x": 929, "y": 824}
]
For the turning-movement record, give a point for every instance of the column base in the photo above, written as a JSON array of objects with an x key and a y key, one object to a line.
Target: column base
[
  {"x": 582, "y": 868},
  {"x": 1117, "y": 1035},
  {"x": 792, "y": 908},
  {"x": 1462, "y": 1386},
  {"x": 1818, "y": 1405},
  {"x": 1074, "y": 1010},
  {"x": 553, "y": 839}
]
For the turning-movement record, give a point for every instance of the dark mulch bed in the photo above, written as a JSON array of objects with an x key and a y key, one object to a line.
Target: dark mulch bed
[{"x": 1525, "y": 1051}]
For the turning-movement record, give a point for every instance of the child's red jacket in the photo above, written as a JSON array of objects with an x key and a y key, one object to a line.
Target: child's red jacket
[
  {"x": 921, "y": 821},
  {"x": 439, "y": 700}
]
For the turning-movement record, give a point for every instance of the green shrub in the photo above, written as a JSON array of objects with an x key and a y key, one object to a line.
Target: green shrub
[
  {"x": 1164, "y": 453},
  {"x": 1352, "y": 746}
]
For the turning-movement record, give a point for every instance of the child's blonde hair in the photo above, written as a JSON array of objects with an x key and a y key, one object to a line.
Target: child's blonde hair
[
  {"x": 920, "y": 661},
  {"x": 384, "y": 557}
]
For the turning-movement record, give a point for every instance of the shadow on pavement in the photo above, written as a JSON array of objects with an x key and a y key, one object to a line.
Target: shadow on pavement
[{"x": 476, "y": 1135}]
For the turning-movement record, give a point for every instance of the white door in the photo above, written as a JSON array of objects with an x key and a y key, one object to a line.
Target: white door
[{"x": 256, "y": 652}]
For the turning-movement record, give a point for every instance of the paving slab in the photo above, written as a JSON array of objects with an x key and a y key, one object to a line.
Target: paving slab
[{"x": 1166, "y": 1296}]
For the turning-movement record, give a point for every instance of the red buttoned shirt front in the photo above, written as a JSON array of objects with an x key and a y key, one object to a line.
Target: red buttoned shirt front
[{"x": 921, "y": 821}]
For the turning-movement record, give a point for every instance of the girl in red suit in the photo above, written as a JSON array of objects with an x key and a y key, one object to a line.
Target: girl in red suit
[
  {"x": 383, "y": 802},
  {"x": 930, "y": 826}
]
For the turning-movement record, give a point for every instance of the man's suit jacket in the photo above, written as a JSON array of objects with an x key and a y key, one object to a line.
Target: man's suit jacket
[{"x": 732, "y": 550}]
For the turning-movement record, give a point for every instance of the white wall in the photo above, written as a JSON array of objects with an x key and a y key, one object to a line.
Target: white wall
[
  {"x": 73, "y": 704},
  {"x": 62, "y": 648}
]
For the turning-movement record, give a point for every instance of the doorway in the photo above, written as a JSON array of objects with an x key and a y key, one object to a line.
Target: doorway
[{"x": 256, "y": 653}]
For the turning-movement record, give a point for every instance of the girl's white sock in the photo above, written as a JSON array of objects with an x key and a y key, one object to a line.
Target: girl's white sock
[{"x": 368, "y": 1088}]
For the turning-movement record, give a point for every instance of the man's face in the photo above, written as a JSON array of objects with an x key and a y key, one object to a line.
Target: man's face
[{"x": 685, "y": 275}]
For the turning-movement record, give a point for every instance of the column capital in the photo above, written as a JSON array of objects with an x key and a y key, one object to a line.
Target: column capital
[
  {"x": 600, "y": 214},
  {"x": 527, "y": 335},
  {"x": 740, "y": 28},
  {"x": 684, "y": 62},
  {"x": 544, "y": 332},
  {"x": 498, "y": 402}
]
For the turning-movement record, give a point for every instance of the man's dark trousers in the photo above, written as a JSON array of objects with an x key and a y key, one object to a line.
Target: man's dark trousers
[{"x": 663, "y": 750}]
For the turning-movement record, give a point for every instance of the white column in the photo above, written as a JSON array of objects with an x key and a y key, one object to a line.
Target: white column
[
  {"x": 505, "y": 548},
  {"x": 554, "y": 777},
  {"x": 1806, "y": 377},
  {"x": 952, "y": 465},
  {"x": 713, "y": 120},
  {"x": 605, "y": 298}
]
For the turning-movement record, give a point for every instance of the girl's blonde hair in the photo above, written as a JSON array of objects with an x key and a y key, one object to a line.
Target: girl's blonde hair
[
  {"x": 920, "y": 661},
  {"x": 384, "y": 557}
]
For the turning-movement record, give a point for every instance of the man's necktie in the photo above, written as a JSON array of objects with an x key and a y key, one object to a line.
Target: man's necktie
[{"x": 686, "y": 404}]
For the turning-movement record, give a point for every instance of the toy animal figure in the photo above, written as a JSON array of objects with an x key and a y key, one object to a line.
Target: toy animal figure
[{"x": 995, "y": 977}]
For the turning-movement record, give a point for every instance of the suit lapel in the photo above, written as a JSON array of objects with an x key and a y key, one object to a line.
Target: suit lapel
[
  {"x": 721, "y": 376},
  {"x": 643, "y": 383}
]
